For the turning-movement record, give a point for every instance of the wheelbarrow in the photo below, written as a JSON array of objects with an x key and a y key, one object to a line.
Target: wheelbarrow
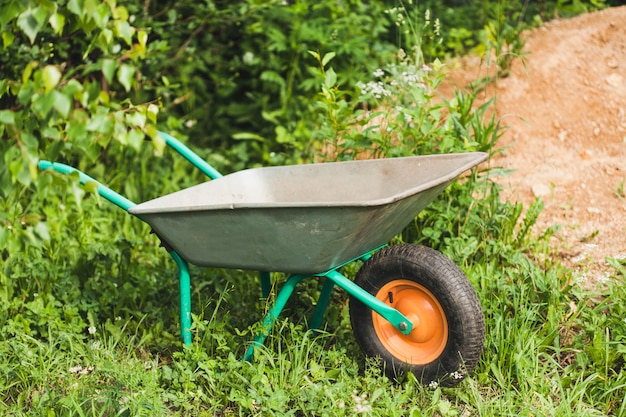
[{"x": 409, "y": 305}]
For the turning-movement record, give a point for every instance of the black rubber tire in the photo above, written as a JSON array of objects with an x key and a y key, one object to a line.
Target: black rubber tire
[{"x": 451, "y": 289}]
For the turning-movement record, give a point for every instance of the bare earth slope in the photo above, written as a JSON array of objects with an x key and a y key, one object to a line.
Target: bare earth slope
[{"x": 565, "y": 108}]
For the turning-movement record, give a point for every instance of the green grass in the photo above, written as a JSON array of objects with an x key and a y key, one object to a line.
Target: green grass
[{"x": 552, "y": 349}]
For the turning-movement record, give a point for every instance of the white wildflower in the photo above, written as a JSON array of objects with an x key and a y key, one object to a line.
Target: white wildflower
[
  {"x": 377, "y": 89},
  {"x": 604, "y": 278},
  {"x": 361, "y": 404},
  {"x": 456, "y": 375},
  {"x": 75, "y": 369},
  {"x": 81, "y": 370},
  {"x": 91, "y": 330},
  {"x": 433, "y": 384},
  {"x": 379, "y": 73}
]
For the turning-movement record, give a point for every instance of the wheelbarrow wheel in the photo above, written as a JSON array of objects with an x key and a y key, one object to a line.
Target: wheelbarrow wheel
[{"x": 431, "y": 291}]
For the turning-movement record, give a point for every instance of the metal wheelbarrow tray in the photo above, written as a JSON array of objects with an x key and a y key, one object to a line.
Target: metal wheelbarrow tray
[
  {"x": 409, "y": 305},
  {"x": 303, "y": 218}
]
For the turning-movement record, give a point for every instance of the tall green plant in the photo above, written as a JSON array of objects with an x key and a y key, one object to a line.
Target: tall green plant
[{"x": 67, "y": 74}]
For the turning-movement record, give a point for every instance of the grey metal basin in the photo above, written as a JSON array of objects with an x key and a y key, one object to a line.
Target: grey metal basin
[{"x": 301, "y": 218}]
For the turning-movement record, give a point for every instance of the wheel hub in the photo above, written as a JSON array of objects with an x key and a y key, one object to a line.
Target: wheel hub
[{"x": 429, "y": 336}]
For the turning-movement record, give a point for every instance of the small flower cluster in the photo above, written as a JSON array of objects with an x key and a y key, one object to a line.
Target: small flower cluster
[
  {"x": 404, "y": 77},
  {"x": 78, "y": 369},
  {"x": 375, "y": 88},
  {"x": 457, "y": 375},
  {"x": 361, "y": 404},
  {"x": 412, "y": 79},
  {"x": 399, "y": 14}
]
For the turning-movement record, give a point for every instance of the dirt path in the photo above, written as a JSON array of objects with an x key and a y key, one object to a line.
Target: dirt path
[{"x": 565, "y": 108}]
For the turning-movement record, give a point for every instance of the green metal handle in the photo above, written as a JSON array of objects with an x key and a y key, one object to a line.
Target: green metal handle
[
  {"x": 190, "y": 156},
  {"x": 115, "y": 198}
]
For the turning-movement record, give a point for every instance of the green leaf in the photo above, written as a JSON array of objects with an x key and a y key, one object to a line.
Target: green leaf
[
  {"x": 153, "y": 111},
  {"x": 28, "y": 71},
  {"x": 99, "y": 123},
  {"x": 42, "y": 105},
  {"x": 62, "y": 103},
  {"x": 157, "y": 140},
  {"x": 121, "y": 13},
  {"x": 31, "y": 22},
  {"x": 4, "y": 236},
  {"x": 136, "y": 119},
  {"x": 105, "y": 39},
  {"x": 282, "y": 135},
  {"x": 7, "y": 39},
  {"x": 7, "y": 117},
  {"x": 125, "y": 76},
  {"x": 101, "y": 14},
  {"x": 29, "y": 141},
  {"x": 76, "y": 7},
  {"x": 330, "y": 78},
  {"x": 314, "y": 54},
  {"x": 57, "y": 21},
  {"x": 125, "y": 31},
  {"x": 248, "y": 136},
  {"x": 142, "y": 37},
  {"x": 327, "y": 58},
  {"x": 136, "y": 138},
  {"x": 41, "y": 229},
  {"x": 108, "y": 69},
  {"x": 51, "y": 77}
]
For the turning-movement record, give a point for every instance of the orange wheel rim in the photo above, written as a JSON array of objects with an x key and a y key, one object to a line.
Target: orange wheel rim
[{"x": 429, "y": 336}]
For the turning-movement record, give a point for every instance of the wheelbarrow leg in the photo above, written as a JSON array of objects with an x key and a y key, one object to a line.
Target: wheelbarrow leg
[
  {"x": 266, "y": 283},
  {"x": 322, "y": 304},
  {"x": 324, "y": 299},
  {"x": 273, "y": 313},
  {"x": 184, "y": 284}
]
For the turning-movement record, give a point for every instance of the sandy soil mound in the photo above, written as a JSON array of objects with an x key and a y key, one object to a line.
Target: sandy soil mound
[{"x": 565, "y": 107}]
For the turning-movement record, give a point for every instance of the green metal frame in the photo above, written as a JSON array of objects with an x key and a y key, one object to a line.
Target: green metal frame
[{"x": 332, "y": 277}]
